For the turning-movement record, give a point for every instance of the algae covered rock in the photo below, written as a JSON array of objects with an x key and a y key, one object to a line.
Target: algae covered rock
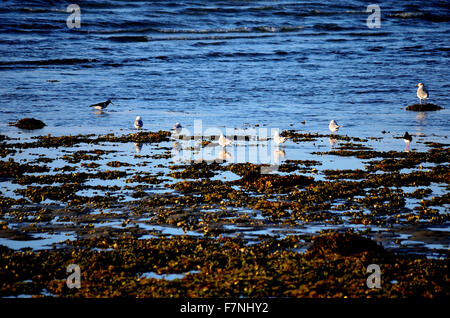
[
  {"x": 29, "y": 123},
  {"x": 423, "y": 107},
  {"x": 344, "y": 244}
]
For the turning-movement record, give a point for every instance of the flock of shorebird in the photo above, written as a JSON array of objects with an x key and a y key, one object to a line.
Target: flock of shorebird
[{"x": 422, "y": 94}]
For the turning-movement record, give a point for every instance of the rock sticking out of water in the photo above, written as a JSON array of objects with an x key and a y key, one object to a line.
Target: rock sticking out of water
[
  {"x": 423, "y": 107},
  {"x": 29, "y": 123}
]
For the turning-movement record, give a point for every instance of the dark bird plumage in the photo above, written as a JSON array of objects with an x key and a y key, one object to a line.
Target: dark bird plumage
[
  {"x": 102, "y": 105},
  {"x": 407, "y": 137}
]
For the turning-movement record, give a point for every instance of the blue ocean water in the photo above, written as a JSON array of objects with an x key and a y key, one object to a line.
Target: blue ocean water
[{"x": 227, "y": 63}]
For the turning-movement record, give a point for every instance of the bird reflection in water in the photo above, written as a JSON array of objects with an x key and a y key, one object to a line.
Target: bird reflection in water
[
  {"x": 224, "y": 155},
  {"x": 100, "y": 112},
  {"x": 137, "y": 147},
  {"x": 278, "y": 154},
  {"x": 421, "y": 116},
  {"x": 332, "y": 141},
  {"x": 176, "y": 148}
]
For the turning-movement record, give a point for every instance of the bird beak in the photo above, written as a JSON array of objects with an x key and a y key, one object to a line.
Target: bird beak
[{"x": 417, "y": 85}]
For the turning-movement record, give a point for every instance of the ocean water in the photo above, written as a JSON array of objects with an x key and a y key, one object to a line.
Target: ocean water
[{"x": 228, "y": 63}]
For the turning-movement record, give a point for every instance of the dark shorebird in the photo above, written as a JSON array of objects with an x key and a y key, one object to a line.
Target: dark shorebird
[
  {"x": 407, "y": 138},
  {"x": 103, "y": 105},
  {"x": 138, "y": 122},
  {"x": 422, "y": 93}
]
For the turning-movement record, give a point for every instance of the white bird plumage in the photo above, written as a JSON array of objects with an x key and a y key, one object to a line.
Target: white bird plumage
[
  {"x": 223, "y": 141},
  {"x": 138, "y": 122},
  {"x": 176, "y": 129},
  {"x": 333, "y": 126},
  {"x": 422, "y": 93},
  {"x": 278, "y": 139}
]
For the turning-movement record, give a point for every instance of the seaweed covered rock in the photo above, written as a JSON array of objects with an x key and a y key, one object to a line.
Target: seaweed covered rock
[
  {"x": 12, "y": 169},
  {"x": 253, "y": 180},
  {"x": 275, "y": 183},
  {"x": 29, "y": 123},
  {"x": 139, "y": 137},
  {"x": 423, "y": 107},
  {"x": 344, "y": 244},
  {"x": 194, "y": 170}
]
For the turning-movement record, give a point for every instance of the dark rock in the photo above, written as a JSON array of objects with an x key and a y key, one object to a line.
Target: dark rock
[
  {"x": 423, "y": 107},
  {"x": 344, "y": 244},
  {"x": 29, "y": 123}
]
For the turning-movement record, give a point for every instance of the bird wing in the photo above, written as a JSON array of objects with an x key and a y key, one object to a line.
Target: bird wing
[
  {"x": 422, "y": 92},
  {"x": 98, "y": 104}
]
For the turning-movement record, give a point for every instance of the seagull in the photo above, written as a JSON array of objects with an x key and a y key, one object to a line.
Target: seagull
[
  {"x": 278, "y": 139},
  {"x": 138, "y": 122},
  {"x": 177, "y": 128},
  {"x": 102, "y": 105},
  {"x": 223, "y": 141},
  {"x": 334, "y": 127},
  {"x": 422, "y": 92}
]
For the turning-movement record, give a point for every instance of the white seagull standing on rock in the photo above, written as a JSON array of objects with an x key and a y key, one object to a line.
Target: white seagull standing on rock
[
  {"x": 422, "y": 93},
  {"x": 138, "y": 122},
  {"x": 334, "y": 127}
]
